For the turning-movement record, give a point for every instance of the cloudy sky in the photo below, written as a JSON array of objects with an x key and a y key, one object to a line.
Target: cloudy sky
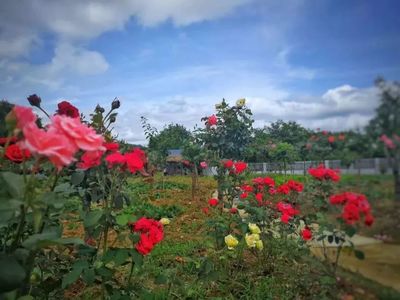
[{"x": 312, "y": 61}]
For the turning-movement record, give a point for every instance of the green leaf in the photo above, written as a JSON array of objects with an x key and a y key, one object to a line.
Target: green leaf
[
  {"x": 359, "y": 254},
  {"x": 12, "y": 274},
  {"x": 63, "y": 188},
  {"x": 80, "y": 265},
  {"x": 121, "y": 256},
  {"x": 104, "y": 272},
  {"x": 33, "y": 242},
  {"x": 71, "y": 277},
  {"x": 122, "y": 220},
  {"x": 14, "y": 184},
  {"x": 161, "y": 279},
  {"x": 350, "y": 231},
  {"x": 26, "y": 297},
  {"x": 52, "y": 199},
  {"x": 92, "y": 218},
  {"x": 137, "y": 258},
  {"x": 89, "y": 276},
  {"x": 77, "y": 177},
  {"x": 37, "y": 219}
]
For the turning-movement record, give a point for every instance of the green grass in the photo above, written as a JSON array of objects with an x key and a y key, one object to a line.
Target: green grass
[{"x": 186, "y": 264}]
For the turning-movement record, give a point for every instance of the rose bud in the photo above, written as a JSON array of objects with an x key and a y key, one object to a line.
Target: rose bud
[
  {"x": 115, "y": 104},
  {"x": 99, "y": 109},
  {"x": 34, "y": 100}
]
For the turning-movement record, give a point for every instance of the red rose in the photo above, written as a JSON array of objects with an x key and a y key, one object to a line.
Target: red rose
[
  {"x": 213, "y": 202},
  {"x": 112, "y": 147},
  {"x": 306, "y": 234},
  {"x": 90, "y": 159},
  {"x": 228, "y": 164},
  {"x": 114, "y": 159},
  {"x": 369, "y": 220},
  {"x": 240, "y": 167},
  {"x": 151, "y": 234},
  {"x": 247, "y": 188},
  {"x": 135, "y": 160},
  {"x": 331, "y": 139},
  {"x": 205, "y": 210},
  {"x": 244, "y": 195},
  {"x": 16, "y": 154},
  {"x": 259, "y": 197},
  {"x": 258, "y": 181},
  {"x": 295, "y": 185},
  {"x": 283, "y": 189},
  {"x": 233, "y": 210},
  {"x": 212, "y": 120},
  {"x": 9, "y": 140},
  {"x": 145, "y": 245},
  {"x": 67, "y": 109},
  {"x": 285, "y": 218},
  {"x": 269, "y": 181}
]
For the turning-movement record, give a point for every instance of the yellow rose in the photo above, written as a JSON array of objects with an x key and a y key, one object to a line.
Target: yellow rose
[
  {"x": 259, "y": 245},
  {"x": 251, "y": 239},
  {"x": 241, "y": 102},
  {"x": 231, "y": 241},
  {"x": 254, "y": 228},
  {"x": 165, "y": 221}
]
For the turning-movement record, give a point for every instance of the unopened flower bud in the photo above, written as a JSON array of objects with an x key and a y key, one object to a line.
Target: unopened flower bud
[
  {"x": 34, "y": 100},
  {"x": 115, "y": 104},
  {"x": 99, "y": 109},
  {"x": 112, "y": 119}
]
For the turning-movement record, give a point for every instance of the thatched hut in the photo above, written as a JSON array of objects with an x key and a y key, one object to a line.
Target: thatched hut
[{"x": 176, "y": 165}]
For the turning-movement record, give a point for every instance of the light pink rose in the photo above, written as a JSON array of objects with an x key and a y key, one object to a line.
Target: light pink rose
[
  {"x": 203, "y": 164},
  {"x": 82, "y": 136},
  {"x": 387, "y": 141},
  {"x": 24, "y": 116},
  {"x": 58, "y": 149}
]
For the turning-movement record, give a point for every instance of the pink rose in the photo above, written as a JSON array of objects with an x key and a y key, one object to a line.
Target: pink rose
[
  {"x": 24, "y": 116},
  {"x": 59, "y": 150},
  {"x": 203, "y": 165},
  {"x": 81, "y": 135}
]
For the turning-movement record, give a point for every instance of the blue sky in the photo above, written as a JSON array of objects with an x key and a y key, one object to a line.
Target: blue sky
[{"x": 305, "y": 60}]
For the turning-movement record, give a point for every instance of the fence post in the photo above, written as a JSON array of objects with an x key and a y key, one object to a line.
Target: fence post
[
  {"x": 264, "y": 168},
  {"x": 326, "y": 163},
  {"x": 376, "y": 165}
]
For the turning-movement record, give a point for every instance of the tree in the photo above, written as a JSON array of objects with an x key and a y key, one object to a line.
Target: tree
[
  {"x": 173, "y": 136},
  {"x": 257, "y": 150},
  {"x": 386, "y": 125},
  {"x": 284, "y": 153},
  {"x": 5, "y": 108},
  {"x": 231, "y": 134},
  {"x": 287, "y": 132}
]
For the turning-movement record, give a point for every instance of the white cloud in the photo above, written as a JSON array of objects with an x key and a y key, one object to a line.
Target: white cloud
[
  {"x": 78, "y": 60},
  {"x": 22, "y": 21},
  {"x": 290, "y": 70}
]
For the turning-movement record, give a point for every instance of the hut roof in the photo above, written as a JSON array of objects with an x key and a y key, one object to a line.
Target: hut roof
[{"x": 174, "y": 155}]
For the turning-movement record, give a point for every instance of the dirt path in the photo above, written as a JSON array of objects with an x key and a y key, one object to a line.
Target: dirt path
[{"x": 381, "y": 263}]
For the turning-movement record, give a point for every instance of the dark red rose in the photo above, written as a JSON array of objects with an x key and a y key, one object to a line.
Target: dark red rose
[
  {"x": 16, "y": 154},
  {"x": 67, "y": 109}
]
